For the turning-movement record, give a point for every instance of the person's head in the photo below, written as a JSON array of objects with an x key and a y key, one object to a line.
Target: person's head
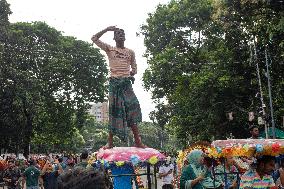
[
  {"x": 49, "y": 167},
  {"x": 60, "y": 159},
  {"x": 32, "y": 162},
  {"x": 17, "y": 163},
  {"x": 266, "y": 164},
  {"x": 195, "y": 157},
  {"x": 11, "y": 164},
  {"x": 84, "y": 155},
  {"x": 230, "y": 160},
  {"x": 254, "y": 131},
  {"x": 119, "y": 37},
  {"x": 168, "y": 160}
]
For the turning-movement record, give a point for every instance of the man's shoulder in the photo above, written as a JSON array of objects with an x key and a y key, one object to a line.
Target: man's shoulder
[
  {"x": 125, "y": 49},
  {"x": 187, "y": 168},
  {"x": 161, "y": 168},
  {"x": 51, "y": 174},
  {"x": 29, "y": 169},
  {"x": 249, "y": 173},
  {"x": 131, "y": 51}
]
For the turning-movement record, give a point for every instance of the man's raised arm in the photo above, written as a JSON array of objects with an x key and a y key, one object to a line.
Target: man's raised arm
[{"x": 97, "y": 36}]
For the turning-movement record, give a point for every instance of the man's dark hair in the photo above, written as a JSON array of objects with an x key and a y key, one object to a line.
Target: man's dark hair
[
  {"x": 31, "y": 162},
  {"x": 118, "y": 30},
  {"x": 60, "y": 159},
  {"x": 252, "y": 127},
  {"x": 84, "y": 154},
  {"x": 11, "y": 161},
  {"x": 265, "y": 159}
]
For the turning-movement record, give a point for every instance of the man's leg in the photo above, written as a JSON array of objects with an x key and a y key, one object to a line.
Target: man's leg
[
  {"x": 109, "y": 141},
  {"x": 137, "y": 138}
]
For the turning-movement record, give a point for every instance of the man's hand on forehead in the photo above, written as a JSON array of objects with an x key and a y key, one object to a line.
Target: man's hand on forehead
[{"x": 118, "y": 30}]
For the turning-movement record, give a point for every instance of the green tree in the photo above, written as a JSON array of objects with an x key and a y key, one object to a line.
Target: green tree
[
  {"x": 48, "y": 80},
  {"x": 95, "y": 136},
  {"x": 201, "y": 63},
  {"x": 156, "y": 137}
]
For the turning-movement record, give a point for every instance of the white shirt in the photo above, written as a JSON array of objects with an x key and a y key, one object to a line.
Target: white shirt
[{"x": 165, "y": 169}]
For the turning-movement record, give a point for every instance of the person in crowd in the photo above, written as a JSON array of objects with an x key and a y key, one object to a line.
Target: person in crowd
[
  {"x": 84, "y": 159},
  {"x": 278, "y": 175},
  {"x": 259, "y": 178},
  {"x": 50, "y": 173},
  {"x": 63, "y": 164},
  {"x": 12, "y": 175},
  {"x": 166, "y": 173},
  {"x": 70, "y": 162},
  {"x": 231, "y": 170},
  {"x": 196, "y": 175},
  {"x": 31, "y": 176},
  {"x": 254, "y": 131}
]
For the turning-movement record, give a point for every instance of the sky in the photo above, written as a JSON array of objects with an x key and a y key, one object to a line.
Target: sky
[{"x": 84, "y": 18}]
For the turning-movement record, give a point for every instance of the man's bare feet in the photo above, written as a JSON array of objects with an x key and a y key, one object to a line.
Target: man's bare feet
[{"x": 140, "y": 145}]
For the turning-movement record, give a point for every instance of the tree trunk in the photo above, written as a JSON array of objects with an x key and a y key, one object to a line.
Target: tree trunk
[
  {"x": 27, "y": 135},
  {"x": 17, "y": 147},
  {"x": 28, "y": 128}
]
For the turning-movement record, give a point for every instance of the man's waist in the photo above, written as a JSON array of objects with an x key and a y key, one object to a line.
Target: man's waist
[
  {"x": 120, "y": 74},
  {"x": 122, "y": 79}
]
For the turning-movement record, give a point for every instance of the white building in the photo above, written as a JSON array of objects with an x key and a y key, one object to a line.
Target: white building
[{"x": 100, "y": 111}]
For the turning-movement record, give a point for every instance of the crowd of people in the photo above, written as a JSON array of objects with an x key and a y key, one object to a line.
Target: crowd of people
[
  {"x": 262, "y": 172},
  {"x": 265, "y": 172},
  {"x": 59, "y": 171},
  {"x": 51, "y": 172},
  {"x": 62, "y": 172}
]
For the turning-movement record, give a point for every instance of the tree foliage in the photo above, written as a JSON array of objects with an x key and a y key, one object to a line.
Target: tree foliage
[
  {"x": 202, "y": 64},
  {"x": 46, "y": 81},
  {"x": 95, "y": 135}
]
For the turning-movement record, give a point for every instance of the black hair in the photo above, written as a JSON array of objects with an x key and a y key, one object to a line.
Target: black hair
[
  {"x": 60, "y": 159},
  {"x": 252, "y": 127},
  {"x": 31, "y": 162},
  {"x": 118, "y": 30},
  {"x": 11, "y": 161},
  {"x": 84, "y": 179},
  {"x": 84, "y": 154},
  {"x": 265, "y": 159}
]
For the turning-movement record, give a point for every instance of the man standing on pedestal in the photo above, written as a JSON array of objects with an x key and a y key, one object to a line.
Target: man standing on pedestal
[{"x": 124, "y": 108}]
